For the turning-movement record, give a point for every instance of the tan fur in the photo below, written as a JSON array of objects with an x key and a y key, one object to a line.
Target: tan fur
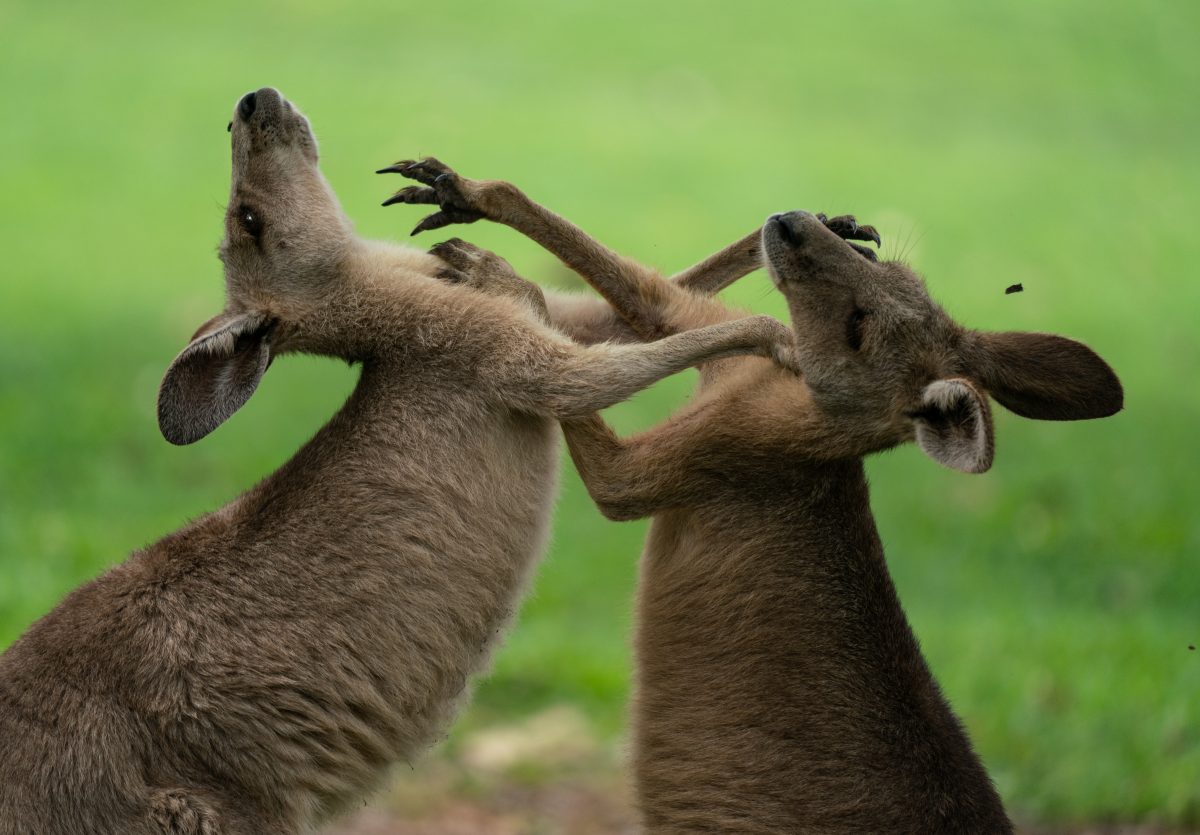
[
  {"x": 257, "y": 671},
  {"x": 780, "y": 688}
]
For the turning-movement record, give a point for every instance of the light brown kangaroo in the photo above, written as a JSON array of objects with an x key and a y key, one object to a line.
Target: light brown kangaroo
[
  {"x": 257, "y": 671},
  {"x": 779, "y": 685}
]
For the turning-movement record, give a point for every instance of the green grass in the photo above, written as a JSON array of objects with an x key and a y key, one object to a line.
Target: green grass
[{"x": 1051, "y": 143}]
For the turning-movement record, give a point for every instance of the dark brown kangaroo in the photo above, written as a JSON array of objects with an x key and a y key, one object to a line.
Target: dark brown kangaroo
[
  {"x": 257, "y": 671},
  {"x": 779, "y": 685}
]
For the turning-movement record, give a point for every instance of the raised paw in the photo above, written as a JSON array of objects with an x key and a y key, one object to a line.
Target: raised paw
[
  {"x": 441, "y": 186},
  {"x": 848, "y": 229}
]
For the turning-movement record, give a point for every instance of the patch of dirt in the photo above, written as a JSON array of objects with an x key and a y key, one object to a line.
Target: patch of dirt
[{"x": 545, "y": 775}]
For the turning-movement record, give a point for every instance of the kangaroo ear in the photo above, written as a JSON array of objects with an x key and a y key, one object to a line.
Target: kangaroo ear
[
  {"x": 1039, "y": 375},
  {"x": 214, "y": 375},
  {"x": 954, "y": 426}
]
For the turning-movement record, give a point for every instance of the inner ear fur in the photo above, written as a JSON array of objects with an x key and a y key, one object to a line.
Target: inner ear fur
[
  {"x": 1048, "y": 377},
  {"x": 214, "y": 375},
  {"x": 954, "y": 426}
]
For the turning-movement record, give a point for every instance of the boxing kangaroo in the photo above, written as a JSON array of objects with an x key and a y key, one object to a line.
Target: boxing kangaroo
[
  {"x": 779, "y": 686},
  {"x": 257, "y": 671}
]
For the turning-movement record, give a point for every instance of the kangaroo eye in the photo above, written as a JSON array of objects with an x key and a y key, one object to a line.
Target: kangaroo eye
[
  {"x": 854, "y": 328},
  {"x": 250, "y": 221}
]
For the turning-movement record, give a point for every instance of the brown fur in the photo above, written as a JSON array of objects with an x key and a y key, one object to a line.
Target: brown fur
[
  {"x": 257, "y": 671},
  {"x": 779, "y": 685}
]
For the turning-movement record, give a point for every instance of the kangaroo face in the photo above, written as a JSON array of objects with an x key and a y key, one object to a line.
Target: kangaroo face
[
  {"x": 886, "y": 364},
  {"x": 870, "y": 338},
  {"x": 285, "y": 239},
  {"x": 284, "y": 229}
]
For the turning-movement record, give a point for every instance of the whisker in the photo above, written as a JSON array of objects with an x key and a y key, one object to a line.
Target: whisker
[{"x": 917, "y": 240}]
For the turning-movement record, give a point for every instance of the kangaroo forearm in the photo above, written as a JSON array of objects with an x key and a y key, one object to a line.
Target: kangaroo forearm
[
  {"x": 598, "y": 377},
  {"x": 650, "y": 305},
  {"x": 635, "y": 478},
  {"x": 588, "y": 320},
  {"x": 621, "y": 281},
  {"x": 719, "y": 270},
  {"x": 637, "y": 293}
]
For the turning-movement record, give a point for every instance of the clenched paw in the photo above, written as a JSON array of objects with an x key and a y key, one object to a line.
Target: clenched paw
[
  {"x": 467, "y": 263},
  {"x": 486, "y": 271}
]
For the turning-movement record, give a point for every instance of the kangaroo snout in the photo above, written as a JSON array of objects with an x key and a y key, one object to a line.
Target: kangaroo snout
[
  {"x": 265, "y": 119},
  {"x": 262, "y": 107},
  {"x": 795, "y": 228},
  {"x": 245, "y": 107}
]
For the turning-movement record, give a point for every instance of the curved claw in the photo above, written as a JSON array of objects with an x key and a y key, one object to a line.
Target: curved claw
[
  {"x": 414, "y": 195},
  {"x": 847, "y": 228},
  {"x": 396, "y": 167},
  {"x": 426, "y": 171},
  {"x": 869, "y": 233},
  {"x": 434, "y": 221},
  {"x": 445, "y": 217}
]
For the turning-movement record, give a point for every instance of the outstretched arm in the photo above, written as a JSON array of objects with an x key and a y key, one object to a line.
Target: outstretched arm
[
  {"x": 742, "y": 257},
  {"x": 566, "y": 380},
  {"x": 719, "y": 270},
  {"x": 637, "y": 293}
]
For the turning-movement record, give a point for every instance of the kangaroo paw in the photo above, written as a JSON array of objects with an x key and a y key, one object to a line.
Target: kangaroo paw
[
  {"x": 848, "y": 228},
  {"x": 486, "y": 271},
  {"x": 443, "y": 187}
]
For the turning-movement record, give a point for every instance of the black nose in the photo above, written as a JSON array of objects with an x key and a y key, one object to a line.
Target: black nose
[
  {"x": 246, "y": 105},
  {"x": 786, "y": 232}
]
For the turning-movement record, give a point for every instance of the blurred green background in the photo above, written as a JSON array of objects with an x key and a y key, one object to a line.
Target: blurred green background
[{"x": 1050, "y": 143}]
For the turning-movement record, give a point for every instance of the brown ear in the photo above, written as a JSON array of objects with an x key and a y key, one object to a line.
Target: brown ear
[
  {"x": 1039, "y": 375},
  {"x": 214, "y": 375},
  {"x": 954, "y": 426}
]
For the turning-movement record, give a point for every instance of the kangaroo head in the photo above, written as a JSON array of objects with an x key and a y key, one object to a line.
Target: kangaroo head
[
  {"x": 885, "y": 364},
  {"x": 285, "y": 235}
]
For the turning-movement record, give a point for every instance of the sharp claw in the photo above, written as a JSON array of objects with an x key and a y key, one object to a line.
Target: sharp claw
[
  {"x": 849, "y": 229},
  {"x": 413, "y": 169},
  {"x": 434, "y": 221},
  {"x": 418, "y": 195}
]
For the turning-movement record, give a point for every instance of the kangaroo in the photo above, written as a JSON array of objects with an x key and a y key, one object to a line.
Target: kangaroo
[
  {"x": 257, "y": 671},
  {"x": 779, "y": 686}
]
